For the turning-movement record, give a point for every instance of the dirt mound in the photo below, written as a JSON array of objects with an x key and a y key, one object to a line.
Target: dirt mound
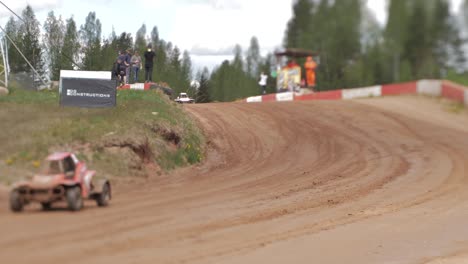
[
  {"x": 3, "y": 91},
  {"x": 303, "y": 182}
]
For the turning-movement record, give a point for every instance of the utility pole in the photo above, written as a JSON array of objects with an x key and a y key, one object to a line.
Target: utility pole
[
  {"x": 24, "y": 57},
  {"x": 4, "y": 65},
  {"x": 34, "y": 66}
]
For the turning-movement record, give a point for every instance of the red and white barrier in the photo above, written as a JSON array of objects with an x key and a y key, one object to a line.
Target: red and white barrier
[
  {"x": 445, "y": 89},
  {"x": 136, "y": 86},
  {"x": 453, "y": 91},
  {"x": 374, "y": 91},
  {"x": 328, "y": 95},
  {"x": 269, "y": 98},
  {"x": 466, "y": 97},
  {"x": 399, "y": 88}
]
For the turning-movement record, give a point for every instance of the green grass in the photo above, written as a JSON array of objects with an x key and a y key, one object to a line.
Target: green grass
[
  {"x": 455, "y": 107},
  {"x": 460, "y": 78},
  {"x": 33, "y": 125}
]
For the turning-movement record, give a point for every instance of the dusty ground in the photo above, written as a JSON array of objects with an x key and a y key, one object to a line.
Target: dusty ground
[{"x": 371, "y": 181}]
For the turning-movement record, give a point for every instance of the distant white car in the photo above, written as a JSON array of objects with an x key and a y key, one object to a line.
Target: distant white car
[{"x": 183, "y": 98}]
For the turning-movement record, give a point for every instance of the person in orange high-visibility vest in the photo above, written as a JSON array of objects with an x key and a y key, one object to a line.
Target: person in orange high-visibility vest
[{"x": 310, "y": 67}]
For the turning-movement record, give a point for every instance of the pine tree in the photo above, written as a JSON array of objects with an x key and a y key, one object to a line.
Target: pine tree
[
  {"x": 238, "y": 59},
  {"x": 298, "y": 27},
  {"x": 396, "y": 32},
  {"x": 464, "y": 14},
  {"x": 186, "y": 72},
  {"x": 174, "y": 68},
  {"x": 253, "y": 57},
  {"x": 175, "y": 61},
  {"x": 161, "y": 60},
  {"x": 417, "y": 46},
  {"x": 12, "y": 30},
  {"x": 53, "y": 39},
  {"x": 203, "y": 94},
  {"x": 90, "y": 34},
  {"x": 347, "y": 44},
  {"x": 154, "y": 36},
  {"x": 110, "y": 51},
  {"x": 71, "y": 46},
  {"x": 140, "y": 40},
  {"x": 29, "y": 32},
  {"x": 444, "y": 38},
  {"x": 124, "y": 41}
]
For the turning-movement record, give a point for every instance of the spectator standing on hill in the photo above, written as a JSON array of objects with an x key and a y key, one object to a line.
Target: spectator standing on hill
[
  {"x": 149, "y": 57},
  {"x": 263, "y": 82},
  {"x": 136, "y": 65},
  {"x": 123, "y": 66},
  {"x": 115, "y": 69},
  {"x": 128, "y": 61},
  {"x": 310, "y": 66}
]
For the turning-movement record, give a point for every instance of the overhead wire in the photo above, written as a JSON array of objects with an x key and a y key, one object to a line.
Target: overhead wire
[{"x": 22, "y": 20}]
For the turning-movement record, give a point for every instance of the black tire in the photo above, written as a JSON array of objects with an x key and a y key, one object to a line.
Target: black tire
[
  {"x": 104, "y": 197},
  {"x": 74, "y": 198},
  {"x": 16, "y": 205},
  {"x": 46, "y": 206}
]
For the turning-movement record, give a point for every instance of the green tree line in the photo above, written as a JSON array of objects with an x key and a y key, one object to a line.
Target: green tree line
[
  {"x": 63, "y": 45},
  {"x": 239, "y": 78},
  {"x": 421, "y": 39}
]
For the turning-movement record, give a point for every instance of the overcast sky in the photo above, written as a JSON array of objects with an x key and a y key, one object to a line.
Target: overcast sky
[{"x": 206, "y": 28}]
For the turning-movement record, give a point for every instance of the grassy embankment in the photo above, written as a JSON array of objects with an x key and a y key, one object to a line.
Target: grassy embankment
[{"x": 146, "y": 134}]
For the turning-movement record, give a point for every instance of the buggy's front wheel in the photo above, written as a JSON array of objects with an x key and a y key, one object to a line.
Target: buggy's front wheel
[
  {"x": 74, "y": 198},
  {"x": 16, "y": 204}
]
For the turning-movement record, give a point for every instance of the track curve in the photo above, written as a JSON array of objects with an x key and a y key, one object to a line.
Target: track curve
[{"x": 322, "y": 182}]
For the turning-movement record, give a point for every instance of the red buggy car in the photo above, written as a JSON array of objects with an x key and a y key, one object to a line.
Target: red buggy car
[{"x": 63, "y": 178}]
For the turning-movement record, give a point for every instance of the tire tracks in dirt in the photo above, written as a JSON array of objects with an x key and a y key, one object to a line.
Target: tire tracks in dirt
[{"x": 274, "y": 173}]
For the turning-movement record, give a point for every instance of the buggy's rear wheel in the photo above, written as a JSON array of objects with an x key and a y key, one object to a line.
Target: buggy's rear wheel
[
  {"x": 16, "y": 205},
  {"x": 46, "y": 206},
  {"x": 104, "y": 197},
  {"x": 74, "y": 198}
]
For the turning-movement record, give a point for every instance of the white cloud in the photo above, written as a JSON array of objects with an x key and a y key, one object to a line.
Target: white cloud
[
  {"x": 456, "y": 4},
  {"x": 204, "y": 51},
  {"x": 216, "y": 4},
  {"x": 225, "y": 4},
  {"x": 204, "y": 27},
  {"x": 18, "y": 5},
  {"x": 205, "y": 24},
  {"x": 148, "y": 3},
  {"x": 379, "y": 7}
]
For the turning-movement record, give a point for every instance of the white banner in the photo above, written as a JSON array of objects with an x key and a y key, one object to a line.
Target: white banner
[
  {"x": 101, "y": 75},
  {"x": 430, "y": 87},
  {"x": 137, "y": 86},
  {"x": 283, "y": 97},
  {"x": 254, "y": 99}
]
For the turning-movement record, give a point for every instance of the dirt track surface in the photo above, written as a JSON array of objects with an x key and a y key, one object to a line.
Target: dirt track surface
[{"x": 309, "y": 182}]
